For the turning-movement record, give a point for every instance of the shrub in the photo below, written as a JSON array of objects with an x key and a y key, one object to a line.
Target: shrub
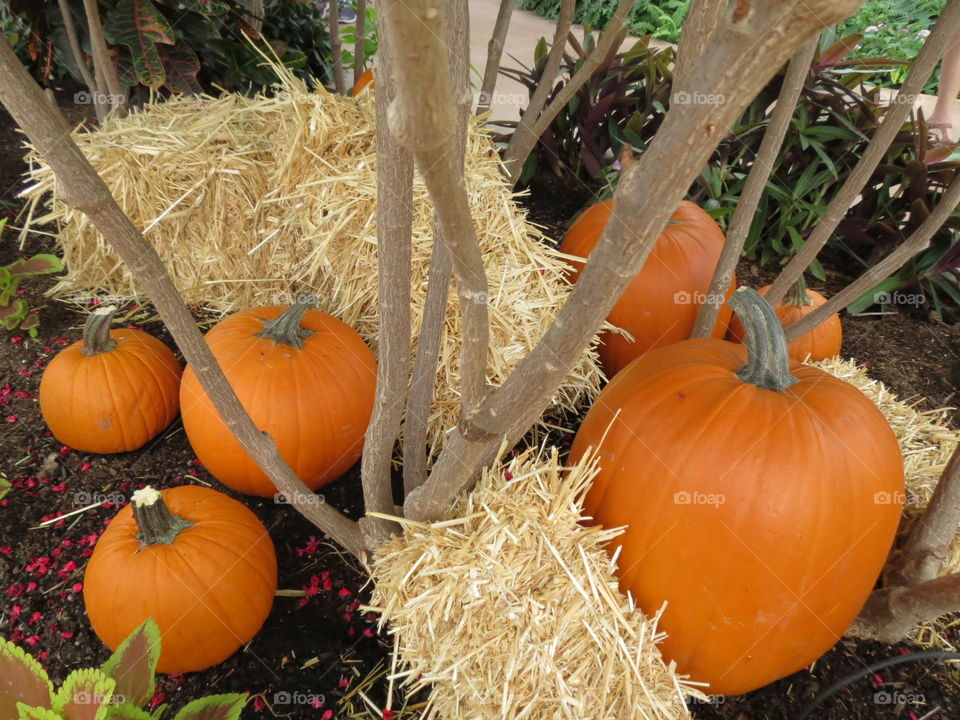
[{"x": 662, "y": 19}]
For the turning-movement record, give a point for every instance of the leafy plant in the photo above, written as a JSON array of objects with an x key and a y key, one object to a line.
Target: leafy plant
[
  {"x": 895, "y": 29},
  {"x": 370, "y": 41},
  {"x": 116, "y": 691},
  {"x": 661, "y": 18},
  {"x": 15, "y": 311},
  {"x": 184, "y": 45}
]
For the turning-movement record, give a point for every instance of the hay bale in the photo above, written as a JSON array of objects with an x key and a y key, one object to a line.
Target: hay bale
[
  {"x": 509, "y": 607},
  {"x": 254, "y": 201}
]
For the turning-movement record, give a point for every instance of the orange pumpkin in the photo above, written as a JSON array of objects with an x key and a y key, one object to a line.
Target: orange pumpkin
[
  {"x": 305, "y": 377},
  {"x": 112, "y": 391},
  {"x": 820, "y": 343},
  {"x": 363, "y": 82},
  {"x": 661, "y": 304},
  {"x": 761, "y": 498},
  {"x": 196, "y": 561}
]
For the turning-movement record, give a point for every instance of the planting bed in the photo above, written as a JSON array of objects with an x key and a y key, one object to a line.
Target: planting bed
[{"x": 317, "y": 647}]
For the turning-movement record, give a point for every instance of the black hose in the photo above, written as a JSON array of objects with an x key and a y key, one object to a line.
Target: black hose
[{"x": 852, "y": 677}]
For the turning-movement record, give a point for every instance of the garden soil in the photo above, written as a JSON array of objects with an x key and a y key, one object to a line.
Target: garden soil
[{"x": 317, "y": 647}]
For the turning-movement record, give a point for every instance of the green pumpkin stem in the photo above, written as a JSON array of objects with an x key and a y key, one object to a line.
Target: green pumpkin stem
[
  {"x": 157, "y": 525},
  {"x": 797, "y": 294},
  {"x": 768, "y": 361},
  {"x": 96, "y": 331},
  {"x": 286, "y": 329}
]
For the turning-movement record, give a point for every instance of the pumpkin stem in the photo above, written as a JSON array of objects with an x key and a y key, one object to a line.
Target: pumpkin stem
[
  {"x": 797, "y": 294},
  {"x": 768, "y": 362},
  {"x": 96, "y": 331},
  {"x": 286, "y": 329},
  {"x": 156, "y": 523}
]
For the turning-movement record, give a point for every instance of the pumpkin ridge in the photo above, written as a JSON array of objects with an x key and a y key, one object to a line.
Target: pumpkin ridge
[
  {"x": 210, "y": 539},
  {"x": 144, "y": 408},
  {"x": 119, "y": 421}
]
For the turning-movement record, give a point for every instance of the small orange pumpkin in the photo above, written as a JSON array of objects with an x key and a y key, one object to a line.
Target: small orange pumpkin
[
  {"x": 363, "y": 82},
  {"x": 820, "y": 343},
  {"x": 112, "y": 391},
  {"x": 305, "y": 377},
  {"x": 760, "y": 497},
  {"x": 196, "y": 561},
  {"x": 661, "y": 304}
]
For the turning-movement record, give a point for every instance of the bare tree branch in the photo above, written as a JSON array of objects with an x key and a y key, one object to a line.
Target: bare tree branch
[
  {"x": 916, "y": 243},
  {"x": 891, "y": 613},
  {"x": 495, "y": 53},
  {"x": 890, "y": 125},
  {"x": 360, "y": 45},
  {"x": 929, "y": 541},
  {"x": 523, "y": 145},
  {"x": 426, "y": 123},
  {"x": 104, "y": 70},
  {"x": 644, "y": 200},
  {"x": 703, "y": 16},
  {"x": 433, "y": 323},
  {"x": 760, "y": 171},
  {"x": 336, "y": 51},
  {"x": 394, "y": 227},
  {"x": 80, "y": 187},
  {"x": 71, "y": 28}
]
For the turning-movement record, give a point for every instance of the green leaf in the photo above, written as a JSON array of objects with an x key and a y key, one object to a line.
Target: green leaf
[
  {"x": 138, "y": 25},
  {"x": 126, "y": 711},
  {"x": 41, "y": 264},
  {"x": 22, "y": 680},
  {"x": 870, "y": 297},
  {"x": 817, "y": 270},
  {"x": 209, "y": 8},
  {"x": 214, "y": 707},
  {"x": 540, "y": 53},
  {"x": 13, "y": 314},
  {"x": 181, "y": 65},
  {"x": 28, "y": 712},
  {"x": 134, "y": 663},
  {"x": 4, "y": 489},
  {"x": 85, "y": 695}
]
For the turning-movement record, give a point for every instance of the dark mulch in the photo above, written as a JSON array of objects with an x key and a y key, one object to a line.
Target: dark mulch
[{"x": 314, "y": 648}]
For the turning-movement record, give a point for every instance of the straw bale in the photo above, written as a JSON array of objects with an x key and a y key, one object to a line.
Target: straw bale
[
  {"x": 509, "y": 607},
  {"x": 255, "y": 201}
]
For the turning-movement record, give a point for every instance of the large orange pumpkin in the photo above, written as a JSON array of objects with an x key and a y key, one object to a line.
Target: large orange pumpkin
[
  {"x": 761, "y": 498},
  {"x": 196, "y": 561},
  {"x": 661, "y": 304},
  {"x": 823, "y": 342},
  {"x": 112, "y": 391},
  {"x": 305, "y": 377}
]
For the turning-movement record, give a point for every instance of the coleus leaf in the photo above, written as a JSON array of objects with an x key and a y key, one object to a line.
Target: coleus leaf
[
  {"x": 40, "y": 264},
  {"x": 133, "y": 664},
  {"x": 181, "y": 65},
  {"x": 214, "y": 707},
  {"x": 126, "y": 711},
  {"x": 28, "y": 712},
  {"x": 10, "y": 317},
  {"x": 138, "y": 25},
  {"x": 22, "y": 680},
  {"x": 84, "y": 695},
  {"x": 4, "y": 487}
]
